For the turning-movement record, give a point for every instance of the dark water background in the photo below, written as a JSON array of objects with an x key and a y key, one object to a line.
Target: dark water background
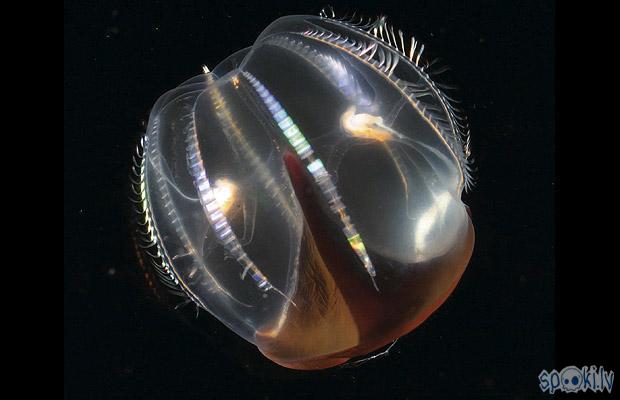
[{"x": 490, "y": 339}]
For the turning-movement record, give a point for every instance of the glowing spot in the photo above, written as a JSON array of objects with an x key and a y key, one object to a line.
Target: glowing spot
[
  {"x": 225, "y": 193},
  {"x": 235, "y": 81},
  {"x": 365, "y": 125},
  {"x": 429, "y": 219}
]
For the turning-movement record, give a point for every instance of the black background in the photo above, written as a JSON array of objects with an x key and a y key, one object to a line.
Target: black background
[{"x": 490, "y": 339}]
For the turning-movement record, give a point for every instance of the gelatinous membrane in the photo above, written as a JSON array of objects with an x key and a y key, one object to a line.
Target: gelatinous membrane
[{"x": 307, "y": 191}]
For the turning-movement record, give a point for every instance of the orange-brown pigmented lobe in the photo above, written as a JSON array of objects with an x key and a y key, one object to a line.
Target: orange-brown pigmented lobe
[{"x": 339, "y": 314}]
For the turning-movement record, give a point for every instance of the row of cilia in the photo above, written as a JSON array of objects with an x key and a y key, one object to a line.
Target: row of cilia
[
  {"x": 146, "y": 234},
  {"x": 455, "y": 126}
]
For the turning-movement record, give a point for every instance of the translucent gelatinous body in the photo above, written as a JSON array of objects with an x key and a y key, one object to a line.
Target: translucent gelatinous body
[{"x": 306, "y": 192}]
